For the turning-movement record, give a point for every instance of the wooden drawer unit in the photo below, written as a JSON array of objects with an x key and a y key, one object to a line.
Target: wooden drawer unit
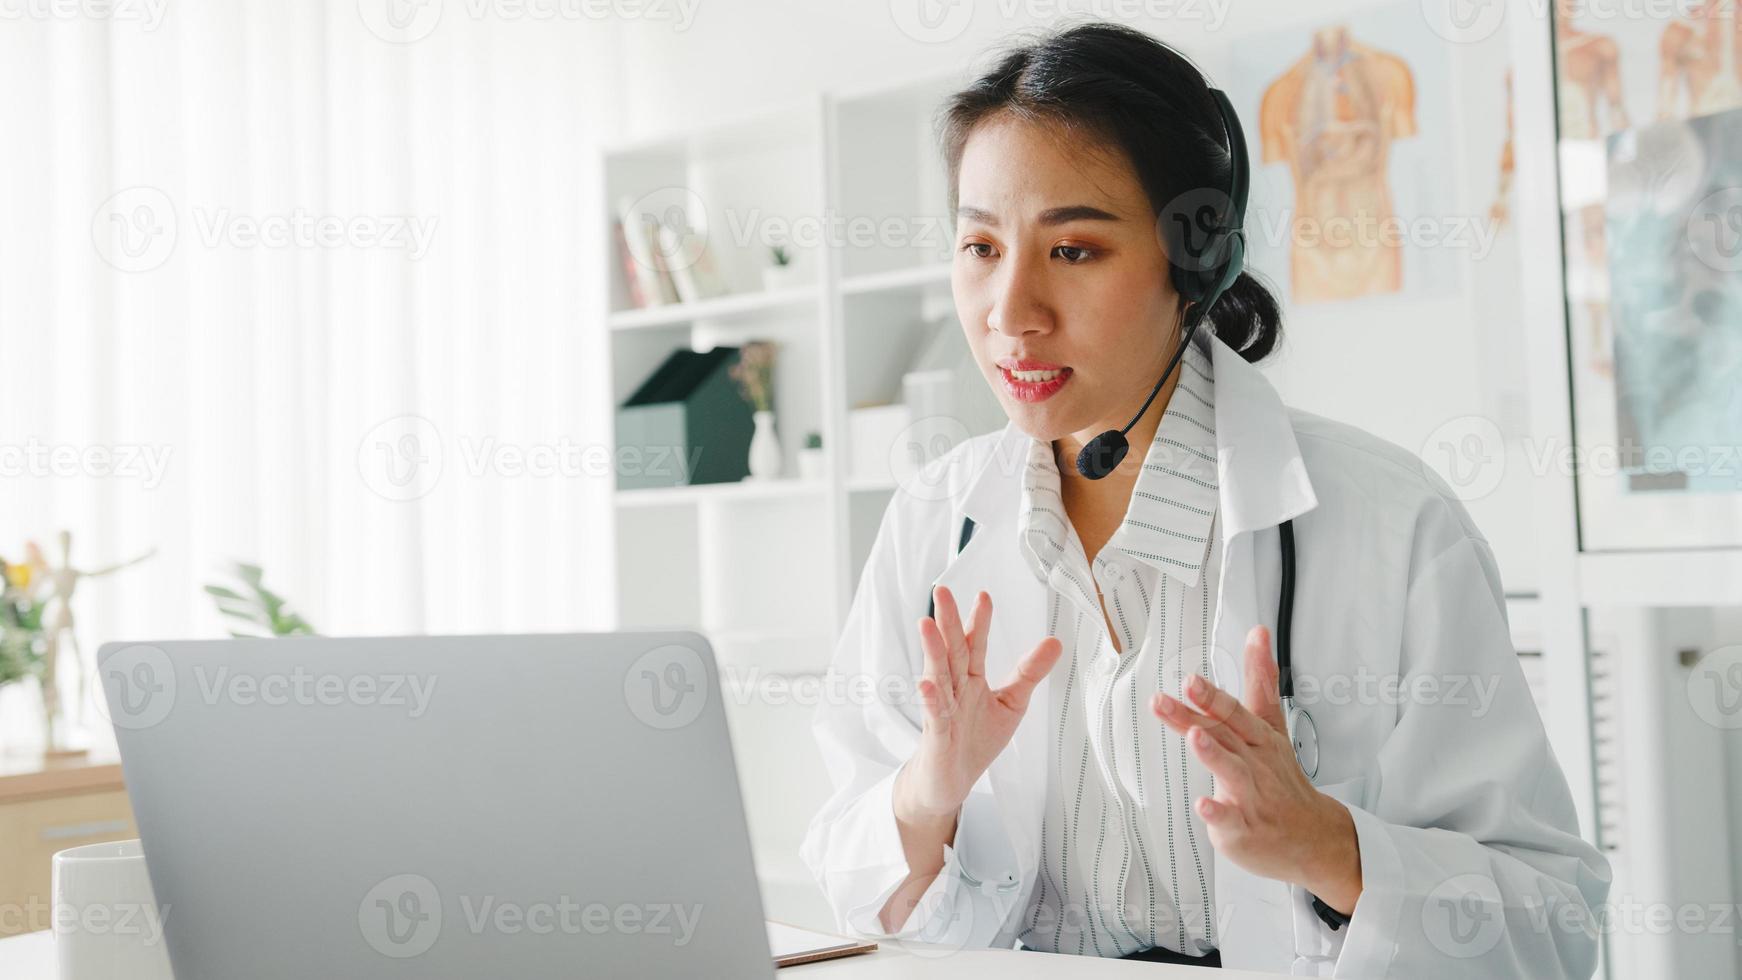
[{"x": 46, "y": 808}]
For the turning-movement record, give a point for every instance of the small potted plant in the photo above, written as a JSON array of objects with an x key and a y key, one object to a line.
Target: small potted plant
[
  {"x": 779, "y": 273},
  {"x": 754, "y": 372},
  {"x": 812, "y": 464}
]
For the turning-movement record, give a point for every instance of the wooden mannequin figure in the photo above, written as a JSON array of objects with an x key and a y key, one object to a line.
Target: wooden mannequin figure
[{"x": 58, "y": 622}]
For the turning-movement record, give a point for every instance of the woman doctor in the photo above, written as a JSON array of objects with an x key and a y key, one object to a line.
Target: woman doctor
[{"x": 1096, "y": 759}]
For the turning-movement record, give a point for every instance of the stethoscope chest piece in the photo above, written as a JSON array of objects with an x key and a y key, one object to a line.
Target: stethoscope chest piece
[{"x": 1304, "y": 735}]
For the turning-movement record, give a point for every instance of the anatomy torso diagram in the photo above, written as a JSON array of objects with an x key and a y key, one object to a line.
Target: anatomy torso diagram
[{"x": 1331, "y": 117}]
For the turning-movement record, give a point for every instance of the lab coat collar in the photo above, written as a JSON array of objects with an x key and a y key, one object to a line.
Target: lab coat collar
[{"x": 1261, "y": 478}]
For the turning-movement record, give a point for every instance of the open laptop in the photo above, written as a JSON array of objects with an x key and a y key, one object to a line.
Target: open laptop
[{"x": 434, "y": 807}]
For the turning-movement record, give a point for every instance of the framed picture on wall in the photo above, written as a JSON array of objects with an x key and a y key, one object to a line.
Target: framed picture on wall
[{"x": 1650, "y": 123}]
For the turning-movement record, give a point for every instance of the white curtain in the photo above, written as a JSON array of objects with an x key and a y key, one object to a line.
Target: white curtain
[{"x": 255, "y": 263}]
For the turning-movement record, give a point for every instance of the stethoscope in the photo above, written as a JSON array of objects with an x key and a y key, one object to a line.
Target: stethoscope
[{"x": 1302, "y": 732}]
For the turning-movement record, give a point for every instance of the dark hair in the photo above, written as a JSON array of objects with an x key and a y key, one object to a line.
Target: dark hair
[{"x": 1122, "y": 88}]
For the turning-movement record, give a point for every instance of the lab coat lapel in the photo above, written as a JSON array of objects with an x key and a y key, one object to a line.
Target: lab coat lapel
[
  {"x": 992, "y": 561},
  {"x": 1262, "y": 482}
]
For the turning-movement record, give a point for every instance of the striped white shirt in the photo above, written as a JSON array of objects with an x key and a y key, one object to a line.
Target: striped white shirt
[{"x": 1125, "y": 861}]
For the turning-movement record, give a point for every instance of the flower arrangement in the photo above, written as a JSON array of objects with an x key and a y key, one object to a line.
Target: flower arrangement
[
  {"x": 23, "y": 644},
  {"x": 754, "y": 372}
]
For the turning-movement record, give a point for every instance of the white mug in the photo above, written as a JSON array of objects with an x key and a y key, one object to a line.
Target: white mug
[{"x": 106, "y": 921}]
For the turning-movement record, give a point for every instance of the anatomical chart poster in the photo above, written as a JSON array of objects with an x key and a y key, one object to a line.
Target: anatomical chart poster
[
  {"x": 1350, "y": 132},
  {"x": 1651, "y": 199},
  {"x": 1675, "y": 279}
]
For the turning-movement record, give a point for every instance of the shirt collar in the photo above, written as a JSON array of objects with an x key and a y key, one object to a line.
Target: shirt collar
[
  {"x": 1168, "y": 520},
  {"x": 1173, "y": 503},
  {"x": 1261, "y": 478}
]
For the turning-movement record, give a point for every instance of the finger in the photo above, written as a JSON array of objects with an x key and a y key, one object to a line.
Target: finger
[
  {"x": 1180, "y": 717},
  {"x": 1221, "y": 815},
  {"x": 977, "y": 639},
  {"x": 937, "y": 667},
  {"x": 950, "y": 623},
  {"x": 1261, "y": 696},
  {"x": 1227, "y": 766},
  {"x": 1030, "y": 671},
  {"x": 1224, "y": 708}
]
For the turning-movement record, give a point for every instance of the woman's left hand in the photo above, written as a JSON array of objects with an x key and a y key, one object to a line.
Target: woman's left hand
[{"x": 1265, "y": 815}]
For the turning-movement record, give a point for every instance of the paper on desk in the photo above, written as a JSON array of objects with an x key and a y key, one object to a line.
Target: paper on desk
[{"x": 792, "y": 945}]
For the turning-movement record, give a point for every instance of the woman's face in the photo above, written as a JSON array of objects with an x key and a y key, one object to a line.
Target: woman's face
[{"x": 1060, "y": 279}]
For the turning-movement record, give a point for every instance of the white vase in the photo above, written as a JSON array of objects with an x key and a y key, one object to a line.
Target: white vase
[
  {"x": 764, "y": 449},
  {"x": 778, "y": 277}
]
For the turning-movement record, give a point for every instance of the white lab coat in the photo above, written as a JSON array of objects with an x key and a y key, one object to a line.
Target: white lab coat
[{"x": 1471, "y": 860}]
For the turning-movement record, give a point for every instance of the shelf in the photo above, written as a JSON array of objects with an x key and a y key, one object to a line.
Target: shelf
[
  {"x": 746, "y": 490},
  {"x": 915, "y": 277},
  {"x": 731, "y": 307},
  {"x": 871, "y": 484}
]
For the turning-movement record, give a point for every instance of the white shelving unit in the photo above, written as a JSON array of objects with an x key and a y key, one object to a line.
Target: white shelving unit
[
  {"x": 766, "y": 569},
  {"x": 874, "y": 290}
]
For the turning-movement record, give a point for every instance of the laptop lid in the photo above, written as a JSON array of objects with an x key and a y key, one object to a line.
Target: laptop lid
[{"x": 434, "y": 807}]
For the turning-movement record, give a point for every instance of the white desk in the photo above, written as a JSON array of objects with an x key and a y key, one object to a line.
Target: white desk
[{"x": 31, "y": 957}]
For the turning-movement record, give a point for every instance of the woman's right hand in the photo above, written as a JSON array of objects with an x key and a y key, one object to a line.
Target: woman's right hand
[{"x": 967, "y": 721}]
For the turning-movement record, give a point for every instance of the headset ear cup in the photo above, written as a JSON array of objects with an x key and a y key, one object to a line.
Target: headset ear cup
[
  {"x": 1233, "y": 264},
  {"x": 1236, "y": 260}
]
